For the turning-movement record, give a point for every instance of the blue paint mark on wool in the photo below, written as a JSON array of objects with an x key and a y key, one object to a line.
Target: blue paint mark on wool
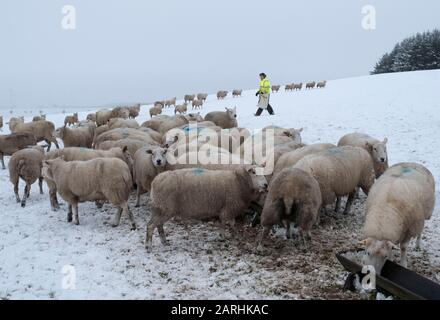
[{"x": 198, "y": 171}]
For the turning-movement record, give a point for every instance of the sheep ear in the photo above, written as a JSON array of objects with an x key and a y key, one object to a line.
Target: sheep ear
[
  {"x": 124, "y": 149},
  {"x": 149, "y": 151},
  {"x": 300, "y": 130},
  {"x": 251, "y": 170},
  {"x": 369, "y": 146},
  {"x": 385, "y": 141}
]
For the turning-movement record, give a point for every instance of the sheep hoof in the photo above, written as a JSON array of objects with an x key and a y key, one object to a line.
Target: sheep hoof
[
  {"x": 23, "y": 205},
  {"x": 76, "y": 222},
  {"x": 114, "y": 225},
  {"x": 133, "y": 226}
]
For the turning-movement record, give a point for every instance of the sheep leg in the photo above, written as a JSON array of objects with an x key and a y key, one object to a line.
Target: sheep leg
[
  {"x": 3, "y": 160},
  {"x": 418, "y": 242},
  {"x": 40, "y": 184},
  {"x": 162, "y": 236},
  {"x": 403, "y": 254},
  {"x": 127, "y": 211},
  {"x": 25, "y": 195},
  {"x": 117, "y": 218},
  {"x": 287, "y": 226},
  {"x": 351, "y": 197},
  {"x": 48, "y": 145},
  {"x": 138, "y": 195},
  {"x": 17, "y": 196},
  {"x": 263, "y": 236},
  {"x": 69, "y": 213},
  {"x": 338, "y": 204},
  {"x": 152, "y": 224},
  {"x": 53, "y": 199},
  {"x": 75, "y": 213}
]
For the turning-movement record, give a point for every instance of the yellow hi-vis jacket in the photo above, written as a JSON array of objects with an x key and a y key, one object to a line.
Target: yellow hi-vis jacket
[{"x": 265, "y": 86}]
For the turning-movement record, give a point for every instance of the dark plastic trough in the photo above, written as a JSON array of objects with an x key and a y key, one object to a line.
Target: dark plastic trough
[{"x": 397, "y": 280}]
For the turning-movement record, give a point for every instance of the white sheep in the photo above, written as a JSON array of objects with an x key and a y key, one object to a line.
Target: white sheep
[
  {"x": 201, "y": 194},
  {"x": 377, "y": 149},
  {"x": 26, "y": 164},
  {"x": 397, "y": 206}
]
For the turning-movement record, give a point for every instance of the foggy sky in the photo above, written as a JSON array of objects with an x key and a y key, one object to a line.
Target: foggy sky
[{"x": 140, "y": 50}]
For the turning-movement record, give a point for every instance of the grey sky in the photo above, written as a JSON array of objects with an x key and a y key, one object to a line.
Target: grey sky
[{"x": 133, "y": 50}]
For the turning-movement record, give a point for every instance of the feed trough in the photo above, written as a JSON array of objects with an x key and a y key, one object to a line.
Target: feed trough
[{"x": 397, "y": 280}]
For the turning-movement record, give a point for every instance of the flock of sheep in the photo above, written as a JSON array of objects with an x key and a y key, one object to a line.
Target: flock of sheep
[{"x": 109, "y": 154}]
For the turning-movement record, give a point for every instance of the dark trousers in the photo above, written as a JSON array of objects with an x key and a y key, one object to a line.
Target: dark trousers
[{"x": 269, "y": 109}]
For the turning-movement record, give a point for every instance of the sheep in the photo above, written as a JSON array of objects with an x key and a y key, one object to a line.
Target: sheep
[
  {"x": 294, "y": 196},
  {"x": 204, "y": 136},
  {"x": 1, "y": 123},
  {"x": 222, "y": 94},
  {"x": 26, "y": 164},
  {"x": 98, "y": 131},
  {"x": 298, "y": 86},
  {"x": 289, "y": 87},
  {"x": 202, "y": 96},
  {"x": 340, "y": 171},
  {"x": 147, "y": 164},
  {"x": 132, "y": 145},
  {"x": 377, "y": 149},
  {"x": 91, "y": 117},
  {"x": 310, "y": 85},
  {"x": 224, "y": 119},
  {"x": 290, "y": 158},
  {"x": 197, "y": 104},
  {"x": 78, "y": 137},
  {"x": 11, "y": 143},
  {"x": 189, "y": 98},
  {"x": 124, "y": 133},
  {"x": 87, "y": 123},
  {"x": 177, "y": 121},
  {"x": 122, "y": 123},
  {"x": 71, "y": 120},
  {"x": 134, "y": 111},
  {"x": 83, "y": 154},
  {"x": 154, "y": 111},
  {"x": 256, "y": 148},
  {"x": 181, "y": 108},
  {"x": 171, "y": 102},
  {"x": 120, "y": 112},
  {"x": 201, "y": 194},
  {"x": 321, "y": 84},
  {"x": 396, "y": 209},
  {"x": 38, "y": 118},
  {"x": 292, "y": 133},
  {"x": 272, "y": 156},
  {"x": 92, "y": 180},
  {"x": 42, "y": 130},
  {"x": 155, "y": 122},
  {"x": 153, "y": 133},
  {"x": 276, "y": 88},
  {"x": 160, "y": 104},
  {"x": 103, "y": 116},
  {"x": 236, "y": 93}
]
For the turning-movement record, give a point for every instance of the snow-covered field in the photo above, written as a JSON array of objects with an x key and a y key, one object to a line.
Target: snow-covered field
[{"x": 111, "y": 263}]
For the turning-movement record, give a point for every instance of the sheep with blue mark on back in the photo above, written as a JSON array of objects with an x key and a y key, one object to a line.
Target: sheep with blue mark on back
[
  {"x": 398, "y": 205},
  {"x": 201, "y": 194}
]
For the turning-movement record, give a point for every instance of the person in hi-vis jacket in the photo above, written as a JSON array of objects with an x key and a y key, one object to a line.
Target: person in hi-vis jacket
[{"x": 264, "y": 94}]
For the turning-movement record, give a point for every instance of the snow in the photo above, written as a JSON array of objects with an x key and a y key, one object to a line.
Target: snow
[{"x": 37, "y": 244}]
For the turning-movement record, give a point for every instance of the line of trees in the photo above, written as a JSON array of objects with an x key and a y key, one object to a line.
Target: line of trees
[{"x": 419, "y": 52}]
